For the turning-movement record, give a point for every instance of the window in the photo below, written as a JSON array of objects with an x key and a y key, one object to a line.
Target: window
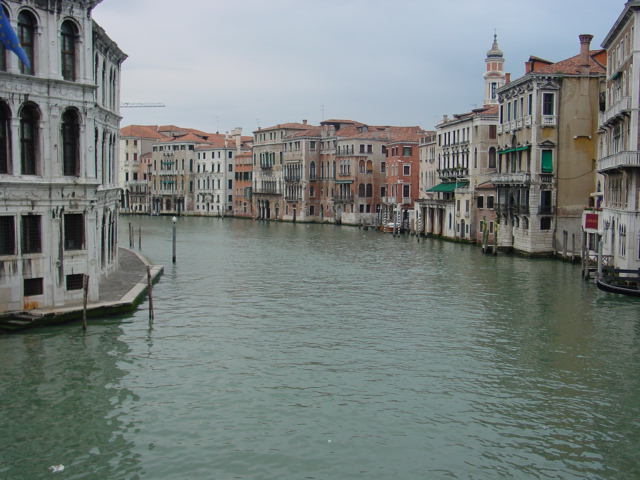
[
  {"x": 369, "y": 148},
  {"x": 7, "y": 235},
  {"x": 69, "y": 33},
  {"x": 32, "y": 286},
  {"x": 369, "y": 190},
  {"x": 493, "y": 132},
  {"x": 480, "y": 202},
  {"x": 70, "y": 143},
  {"x": 75, "y": 282},
  {"x": 361, "y": 190},
  {"x": 73, "y": 231},
  {"x": 5, "y": 139},
  {"x": 406, "y": 170},
  {"x": 406, "y": 151},
  {"x": 490, "y": 201},
  {"x": 312, "y": 145},
  {"x": 492, "y": 157},
  {"x": 545, "y": 223},
  {"x": 31, "y": 234},
  {"x": 26, "y": 36},
  {"x": 547, "y": 161},
  {"x": 406, "y": 190},
  {"x": 548, "y": 104},
  {"x": 530, "y": 104},
  {"x": 230, "y": 168},
  {"x": 383, "y": 167},
  {"x": 29, "y": 118},
  {"x": 230, "y": 184}
]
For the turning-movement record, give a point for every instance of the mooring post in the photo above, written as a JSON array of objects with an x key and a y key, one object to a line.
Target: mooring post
[
  {"x": 85, "y": 288},
  {"x": 174, "y": 220},
  {"x": 130, "y": 236},
  {"x": 150, "y": 293},
  {"x": 139, "y": 238}
]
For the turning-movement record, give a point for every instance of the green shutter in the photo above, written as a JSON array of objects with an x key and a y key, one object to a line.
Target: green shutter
[{"x": 547, "y": 161}]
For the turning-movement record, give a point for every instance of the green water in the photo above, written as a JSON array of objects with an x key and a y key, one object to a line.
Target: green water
[{"x": 286, "y": 351}]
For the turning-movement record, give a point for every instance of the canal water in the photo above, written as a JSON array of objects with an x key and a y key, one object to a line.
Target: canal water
[{"x": 284, "y": 351}]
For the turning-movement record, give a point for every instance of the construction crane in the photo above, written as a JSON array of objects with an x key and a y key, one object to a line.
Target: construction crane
[{"x": 142, "y": 105}]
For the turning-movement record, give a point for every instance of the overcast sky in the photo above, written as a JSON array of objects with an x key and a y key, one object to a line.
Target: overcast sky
[{"x": 220, "y": 64}]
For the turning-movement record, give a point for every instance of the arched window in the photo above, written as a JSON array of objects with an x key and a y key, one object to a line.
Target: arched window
[
  {"x": 27, "y": 37},
  {"x": 29, "y": 118},
  {"x": 312, "y": 171},
  {"x": 369, "y": 166},
  {"x": 70, "y": 143},
  {"x": 492, "y": 157},
  {"x": 361, "y": 166},
  {"x": 69, "y": 35},
  {"x": 361, "y": 191},
  {"x": 5, "y": 138},
  {"x": 3, "y": 51},
  {"x": 369, "y": 190}
]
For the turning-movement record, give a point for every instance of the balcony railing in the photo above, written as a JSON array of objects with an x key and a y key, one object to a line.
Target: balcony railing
[
  {"x": 619, "y": 160},
  {"x": 447, "y": 173},
  {"x": 406, "y": 200},
  {"x": 549, "y": 120},
  {"x": 291, "y": 178},
  {"x": 546, "y": 178},
  {"x": 388, "y": 199},
  {"x": 620, "y": 106},
  {"x": 343, "y": 198},
  {"x": 511, "y": 178},
  {"x": 499, "y": 128},
  {"x": 519, "y": 123},
  {"x": 528, "y": 121}
]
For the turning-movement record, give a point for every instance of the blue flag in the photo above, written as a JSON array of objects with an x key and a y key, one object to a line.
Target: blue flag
[{"x": 10, "y": 40}]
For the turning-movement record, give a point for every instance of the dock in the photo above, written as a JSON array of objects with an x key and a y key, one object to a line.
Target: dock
[{"x": 120, "y": 292}]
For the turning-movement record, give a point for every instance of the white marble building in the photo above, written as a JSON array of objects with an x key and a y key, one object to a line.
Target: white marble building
[{"x": 59, "y": 128}]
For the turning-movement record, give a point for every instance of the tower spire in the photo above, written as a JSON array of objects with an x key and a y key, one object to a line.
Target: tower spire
[{"x": 494, "y": 77}]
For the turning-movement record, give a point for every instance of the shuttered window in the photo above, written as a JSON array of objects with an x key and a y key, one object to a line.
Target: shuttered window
[{"x": 547, "y": 161}]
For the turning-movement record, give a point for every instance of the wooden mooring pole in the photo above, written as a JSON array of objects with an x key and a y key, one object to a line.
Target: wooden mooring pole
[
  {"x": 150, "y": 293},
  {"x": 139, "y": 238},
  {"x": 85, "y": 288}
]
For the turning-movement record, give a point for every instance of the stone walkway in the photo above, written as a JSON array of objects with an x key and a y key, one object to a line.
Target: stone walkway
[{"x": 120, "y": 292}]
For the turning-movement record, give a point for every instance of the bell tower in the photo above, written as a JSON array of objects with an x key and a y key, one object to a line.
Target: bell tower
[{"x": 494, "y": 76}]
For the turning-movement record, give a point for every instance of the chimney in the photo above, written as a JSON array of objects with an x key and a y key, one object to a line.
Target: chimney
[
  {"x": 585, "y": 49},
  {"x": 304, "y": 122},
  {"x": 507, "y": 78}
]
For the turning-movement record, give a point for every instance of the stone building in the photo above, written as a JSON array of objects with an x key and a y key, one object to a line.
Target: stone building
[
  {"x": 59, "y": 130},
  {"x": 136, "y": 144},
  {"x": 618, "y": 155},
  {"x": 548, "y": 120},
  {"x": 243, "y": 175},
  {"x": 466, "y": 149}
]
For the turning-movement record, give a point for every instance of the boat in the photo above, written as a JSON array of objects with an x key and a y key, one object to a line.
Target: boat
[{"x": 613, "y": 282}]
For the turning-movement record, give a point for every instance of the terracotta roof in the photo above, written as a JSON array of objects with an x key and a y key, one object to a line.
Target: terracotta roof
[
  {"x": 570, "y": 66},
  {"x": 309, "y": 132},
  {"x": 187, "y": 138},
  {"x": 141, "y": 131}
]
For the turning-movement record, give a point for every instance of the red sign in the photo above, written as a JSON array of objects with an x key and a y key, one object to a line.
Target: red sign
[{"x": 591, "y": 221}]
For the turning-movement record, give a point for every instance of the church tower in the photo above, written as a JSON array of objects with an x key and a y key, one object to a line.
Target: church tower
[{"x": 494, "y": 77}]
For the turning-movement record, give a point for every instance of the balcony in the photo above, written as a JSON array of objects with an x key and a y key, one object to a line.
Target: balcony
[
  {"x": 519, "y": 123},
  {"x": 292, "y": 197},
  {"x": 292, "y": 177},
  {"x": 620, "y": 107},
  {"x": 499, "y": 129},
  {"x": 528, "y": 121},
  {"x": 388, "y": 199},
  {"x": 511, "y": 178},
  {"x": 549, "y": 120},
  {"x": 452, "y": 173},
  {"x": 343, "y": 198},
  {"x": 546, "y": 177},
  {"x": 619, "y": 160},
  {"x": 406, "y": 200}
]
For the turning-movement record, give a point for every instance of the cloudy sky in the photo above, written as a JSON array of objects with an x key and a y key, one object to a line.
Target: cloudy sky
[{"x": 220, "y": 64}]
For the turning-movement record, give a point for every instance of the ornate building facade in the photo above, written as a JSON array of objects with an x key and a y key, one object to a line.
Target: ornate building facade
[{"x": 59, "y": 130}]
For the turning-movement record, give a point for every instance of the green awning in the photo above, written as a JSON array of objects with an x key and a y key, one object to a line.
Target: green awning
[
  {"x": 517, "y": 149},
  {"x": 448, "y": 187},
  {"x": 344, "y": 181}
]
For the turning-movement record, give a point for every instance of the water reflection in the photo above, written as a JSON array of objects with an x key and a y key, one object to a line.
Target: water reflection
[{"x": 63, "y": 404}]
